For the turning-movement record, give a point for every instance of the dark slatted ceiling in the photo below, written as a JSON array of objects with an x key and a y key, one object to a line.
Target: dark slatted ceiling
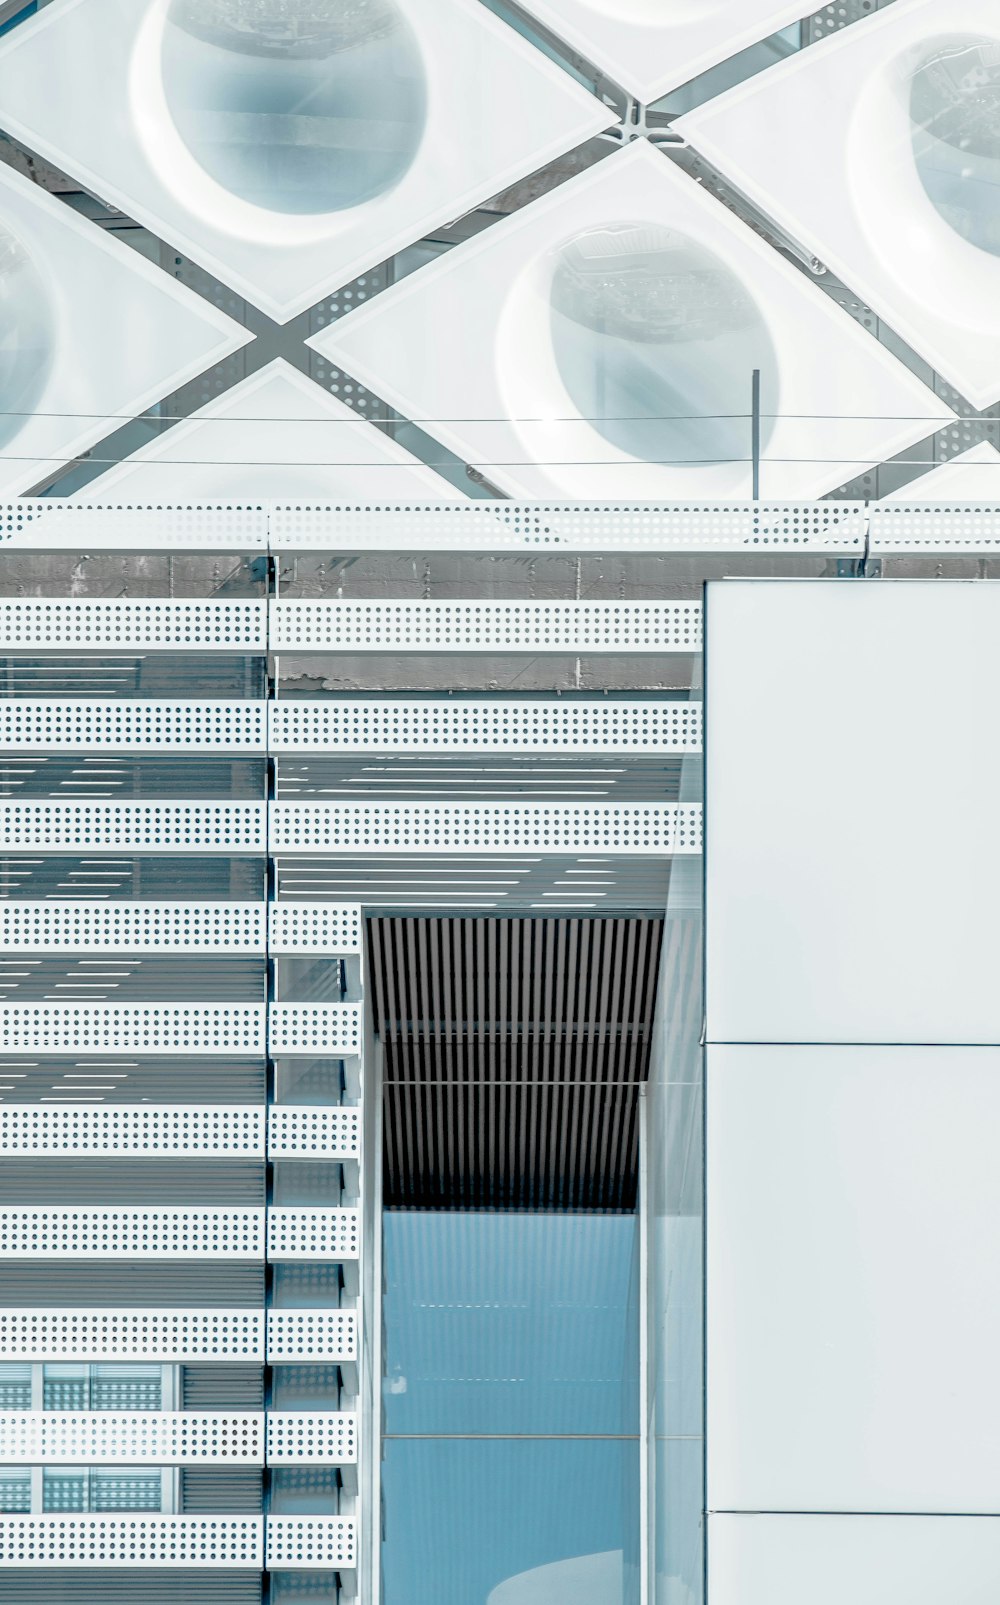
[{"x": 514, "y": 1050}]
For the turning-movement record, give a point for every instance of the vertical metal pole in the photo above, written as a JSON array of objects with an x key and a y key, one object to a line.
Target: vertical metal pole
[{"x": 755, "y": 432}]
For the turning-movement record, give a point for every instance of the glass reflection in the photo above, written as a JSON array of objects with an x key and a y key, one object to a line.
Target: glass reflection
[
  {"x": 298, "y": 106},
  {"x": 27, "y": 335},
  {"x": 955, "y": 117},
  {"x": 655, "y": 340}
]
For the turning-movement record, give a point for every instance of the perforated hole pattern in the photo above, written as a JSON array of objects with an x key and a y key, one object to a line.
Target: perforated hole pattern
[
  {"x": 478, "y": 626},
  {"x": 131, "y": 1540},
  {"x": 308, "y": 1436},
  {"x": 496, "y": 725},
  {"x": 31, "y": 624},
  {"x": 134, "y": 1436},
  {"x": 131, "y": 927},
  {"x": 313, "y": 1234},
  {"x": 68, "y": 1233},
  {"x": 324, "y": 1028},
  {"x": 333, "y": 928},
  {"x": 320, "y": 1542},
  {"x": 650, "y": 828},
  {"x": 134, "y": 827},
  {"x": 172, "y": 1129},
  {"x": 319, "y": 1336},
  {"x": 162, "y": 1028},
  {"x": 303, "y": 1133},
  {"x": 53, "y": 726},
  {"x": 154, "y": 1335}
]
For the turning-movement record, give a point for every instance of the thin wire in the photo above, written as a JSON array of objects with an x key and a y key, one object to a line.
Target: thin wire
[
  {"x": 479, "y": 463},
  {"x": 513, "y": 418}
]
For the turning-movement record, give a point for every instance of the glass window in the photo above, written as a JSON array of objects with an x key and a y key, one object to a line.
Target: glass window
[
  {"x": 15, "y": 1387},
  {"x": 66, "y": 1387},
  {"x": 126, "y": 1387},
  {"x": 15, "y": 1492},
  {"x": 64, "y": 1490},
  {"x": 125, "y": 1490}
]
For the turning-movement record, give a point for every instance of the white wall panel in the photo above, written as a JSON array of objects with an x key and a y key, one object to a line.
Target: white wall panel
[
  {"x": 313, "y": 1234},
  {"x": 310, "y": 1543},
  {"x": 231, "y": 1030},
  {"x": 120, "y": 725},
  {"x": 641, "y": 829},
  {"x": 169, "y": 1130},
  {"x": 164, "y": 1335},
  {"x": 317, "y": 1337},
  {"x": 133, "y": 827},
  {"x": 315, "y": 1028},
  {"x": 298, "y": 1132},
  {"x": 132, "y": 1437},
  {"x": 84, "y": 624},
  {"x": 41, "y": 524},
  {"x": 122, "y": 925},
  {"x": 233, "y": 1542},
  {"x": 853, "y": 1291},
  {"x": 47, "y": 1232},
  {"x": 312, "y": 1437},
  {"x": 859, "y": 717},
  {"x": 864, "y": 1560},
  {"x": 319, "y": 927}
]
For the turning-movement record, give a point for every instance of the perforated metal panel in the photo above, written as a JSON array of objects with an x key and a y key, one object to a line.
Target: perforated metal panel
[
  {"x": 132, "y": 1540},
  {"x": 496, "y": 724},
  {"x": 644, "y": 829},
  {"x": 135, "y": 1437},
  {"x": 44, "y": 524},
  {"x": 481, "y": 626},
  {"x": 322, "y": 1543},
  {"x": 180, "y": 1130},
  {"x": 315, "y": 928},
  {"x": 295, "y": 1132},
  {"x": 121, "y": 725},
  {"x": 30, "y": 926},
  {"x": 311, "y": 1028},
  {"x": 166, "y": 1336},
  {"x": 313, "y": 1234},
  {"x": 486, "y": 526},
  {"x": 159, "y": 828},
  {"x": 319, "y": 1337},
  {"x": 59, "y": 624},
  {"x": 232, "y": 1030},
  {"x": 140, "y": 1234},
  {"x": 311, "y": 1437},
  {"x": 900, "y": 527}
]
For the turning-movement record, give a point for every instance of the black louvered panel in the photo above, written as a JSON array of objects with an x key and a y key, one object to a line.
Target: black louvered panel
[
  {"x": 497, "y": 1146},
  {"x": 170, "y": 1284},
  {"x": 58, "y": 1586},
  {"x": 221, "y": 1491},
  {"x": 222, "y": 1387},
  {"x": 229, "y": 1183}
]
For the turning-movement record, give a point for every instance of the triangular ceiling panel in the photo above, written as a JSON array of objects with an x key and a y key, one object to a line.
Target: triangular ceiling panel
[
  {"x": 972, "y": 476},
  {"x": 284, "y": 153},
  {"x": 601, "y": 344}
]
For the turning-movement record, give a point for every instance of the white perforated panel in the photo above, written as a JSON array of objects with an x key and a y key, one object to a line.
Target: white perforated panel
[
  {"x": 58, "y": 624},
  {"x": 233, "y": 1029},
  {"x": 60, "y": 525},
  {"x": 313, "y": 1234},
  {"x": 125, "y": 926},
  {"x": 150, "y": 1437},
  {"x": 51, "y": 1233},
  {"x": 934, "y": 527},
  {"x": 296, "y": 1132},
  {"x": 149, "y": 725},
  {"x": 132, "y": 1540},
  {"x": 166, "y": 827},
  {"x": 315, "y": 1543},
  {"x": 640, "y": 829},
  {"x": 496, "y": 724},
  {"x": 333, "y": 928},
  {"x": 317, "y": 1437},
  {"x": 165, "y": 1336},
  {"x": 315, "y": 1028},
  {"x": 215, "y": 1130},
  {"x": 481, "y": 626},
  {"x": 569, "y": 527},
  {"x": 319, "y": 1337}
]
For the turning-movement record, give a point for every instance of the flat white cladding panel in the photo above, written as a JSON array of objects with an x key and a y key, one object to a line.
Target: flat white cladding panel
[
  {"x": 853, "y": 1288},
  {"x": 60, "y": 624},
  {"x": 652, "y": 829},
  {"x": 826, "y": 701},
  {"x": 169, "y": 1130},
  {"x": 863, "y": 1560},
  {"x": 147, "y": 827},
  {"x": 124, "y": 726},
  {"x": 132, "y": 1540},
  {"x": 54, "y": 524},
  {"x": 497, "y": 724},
  {"x": 155, "y": 1335},
  {"x": 313, "y": 1234},
  {"x": 333, "y": 928},
  {"x": 482, "y": 626},
  {"x": 125, "y": 926},
  {"x": 230, "y": 1029},
  {"x": 298, "y": 1132},
  {"x": 900, "y": 527},
  {"x": 311, "y": 1028},
  {"x": 311, "y": 1543},
  {"x": 131, "y": 1437},
  {"x": 148, "y": 1234},
  {"x": 311, "y": 1437},
  {"x": 319, "y": 1337},
  {"x": 570, "y": 527}
]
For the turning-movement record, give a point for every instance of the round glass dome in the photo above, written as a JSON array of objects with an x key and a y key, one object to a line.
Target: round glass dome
[
  {"x": 656, "y": 340},
  {"x": 296, "y": 106},
  {"x": 27, "y": 335},
  {"x": 954, "y": 106}
]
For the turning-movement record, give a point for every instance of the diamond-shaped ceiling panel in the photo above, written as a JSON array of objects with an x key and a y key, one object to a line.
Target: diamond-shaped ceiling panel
[
  {"x": 879, "y": 149},
  {"x": 601, "y": 343},
  {"x": 652, "y": 46},
  {"x": 972, "y": 476},
  {"x": 90, "y": 332},
  {"x": 276, "y": 435},
  {"x": 289, "y": 145}
]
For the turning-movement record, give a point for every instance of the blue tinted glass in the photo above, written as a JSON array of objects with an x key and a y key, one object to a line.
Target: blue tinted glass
[
  {"x": 510, "y": 1322},
  {"x": 508, "y": 1522}
]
